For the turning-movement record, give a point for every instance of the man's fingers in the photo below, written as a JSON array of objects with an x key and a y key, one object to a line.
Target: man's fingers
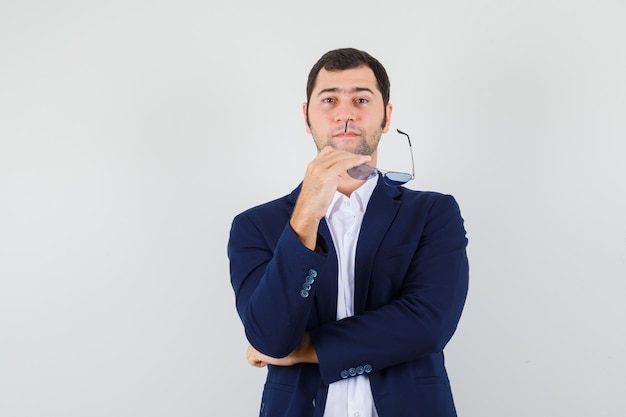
[
  {"x": 255, "y": 358},
  {"x": 336, "y": 161}
]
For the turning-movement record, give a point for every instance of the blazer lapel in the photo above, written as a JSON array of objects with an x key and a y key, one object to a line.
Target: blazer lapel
[
  {"x": 326, "y": 296},
  {"x": 381, "y": 210}
]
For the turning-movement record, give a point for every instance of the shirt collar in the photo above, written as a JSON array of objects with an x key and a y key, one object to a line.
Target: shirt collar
[{"x": 361, "y": 196}]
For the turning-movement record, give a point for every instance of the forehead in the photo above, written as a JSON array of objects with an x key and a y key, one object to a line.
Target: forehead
[{"x": 350, "y": 79}]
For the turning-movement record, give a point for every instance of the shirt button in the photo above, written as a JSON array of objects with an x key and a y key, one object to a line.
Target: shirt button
[{"x": 357, "y": 414}]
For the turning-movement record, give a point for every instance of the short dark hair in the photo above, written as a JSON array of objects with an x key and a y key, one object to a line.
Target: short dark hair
[{"x": 348, "y": 58}]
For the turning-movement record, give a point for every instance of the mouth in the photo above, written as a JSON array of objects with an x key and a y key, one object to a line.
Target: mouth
[{"x": 347, "y": 134}]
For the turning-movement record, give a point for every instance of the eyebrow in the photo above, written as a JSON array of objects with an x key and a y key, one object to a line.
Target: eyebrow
[{"x": 352, "y": 90}]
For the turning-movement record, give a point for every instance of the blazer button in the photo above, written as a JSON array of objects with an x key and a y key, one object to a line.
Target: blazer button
[
  {"x": 310, "y": 279},
  {"x": 367, "y": 368},
  {"x": 344, "y": 374},
  {"x": 352, "y": 371},
  {"x": 359, "y": 370},
  {"x": 313, "y": 273},
  {"x": 306, "y": 286},
  {"x": 304, "y": 293}
]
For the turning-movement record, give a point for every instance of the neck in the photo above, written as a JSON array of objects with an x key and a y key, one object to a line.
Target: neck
[{"x": 347, "y": 185}]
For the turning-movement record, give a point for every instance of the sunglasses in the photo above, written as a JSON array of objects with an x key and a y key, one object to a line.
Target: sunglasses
[{"x": 391, "y": 178}]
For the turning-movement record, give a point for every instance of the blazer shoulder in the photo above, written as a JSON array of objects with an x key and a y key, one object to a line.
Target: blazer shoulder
[
  {"x": 409, "y": 196},
  {"x": 273, "y": 207},
  {"x": 267, "y": 208}
]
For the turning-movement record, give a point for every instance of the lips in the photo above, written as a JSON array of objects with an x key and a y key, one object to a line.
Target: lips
[{"x": 348, "y": 134}]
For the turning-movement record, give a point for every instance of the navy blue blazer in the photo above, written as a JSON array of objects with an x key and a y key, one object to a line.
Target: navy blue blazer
[{"x": 411, "y": 280}]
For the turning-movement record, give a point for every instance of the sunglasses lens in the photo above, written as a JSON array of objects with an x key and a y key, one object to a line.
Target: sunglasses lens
[
  {"x": 396, "y": 178},
  {"x": 362, "y": 172}
]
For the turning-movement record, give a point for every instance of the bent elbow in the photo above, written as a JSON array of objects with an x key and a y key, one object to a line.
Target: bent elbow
[{"x": 271, "y": 340}]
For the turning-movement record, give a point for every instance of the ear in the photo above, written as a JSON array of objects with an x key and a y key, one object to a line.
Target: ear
[
  {"x": 306, "y": 119},
  {"x": 388, "y": 121}
]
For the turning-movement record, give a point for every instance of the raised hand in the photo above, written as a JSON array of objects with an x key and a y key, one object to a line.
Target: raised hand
[{"x": 324, "y": 175}]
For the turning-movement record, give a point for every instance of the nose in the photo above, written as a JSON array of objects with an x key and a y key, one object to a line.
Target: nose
[
  {"x": 344, "y": 113},
  {"x": 344, "y": 121}
]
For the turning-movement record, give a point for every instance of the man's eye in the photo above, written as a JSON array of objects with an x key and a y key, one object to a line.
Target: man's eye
[
  {"x": 362, "y": 100},
  {"x": 328, "y": 100}
]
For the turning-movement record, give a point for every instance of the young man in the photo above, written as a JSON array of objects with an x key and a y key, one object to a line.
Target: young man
[{"x": 349, "y": 288}]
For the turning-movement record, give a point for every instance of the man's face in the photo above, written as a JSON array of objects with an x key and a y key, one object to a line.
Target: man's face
[{"x": 347, "y": 96}]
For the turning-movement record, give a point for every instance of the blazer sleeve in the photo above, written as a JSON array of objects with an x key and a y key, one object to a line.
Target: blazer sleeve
[
  {"x": 421, "y": 320},
  {"x": 274, "y": 278}
]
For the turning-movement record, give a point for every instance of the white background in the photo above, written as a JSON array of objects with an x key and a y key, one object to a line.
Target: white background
[{"x": 131, "y": 133}]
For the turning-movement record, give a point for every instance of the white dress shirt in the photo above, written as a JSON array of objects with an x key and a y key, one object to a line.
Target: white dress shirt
[{"x": 351, "y": 397}]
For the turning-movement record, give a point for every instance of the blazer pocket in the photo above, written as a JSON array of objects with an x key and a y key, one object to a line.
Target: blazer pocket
[
  {"x": 389, "y": 270},
  {"x": 434, "y": 395},
  {"x": 407, "y": 250},
  {"x": 276, "y": 399},
  {"x": 431, "y": 380},
  {"x": 275, "y": 386}
]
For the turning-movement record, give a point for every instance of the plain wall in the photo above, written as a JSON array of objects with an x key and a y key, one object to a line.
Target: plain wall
[{"x": 131, "y": 133}]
